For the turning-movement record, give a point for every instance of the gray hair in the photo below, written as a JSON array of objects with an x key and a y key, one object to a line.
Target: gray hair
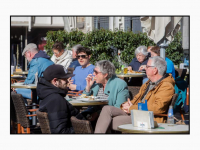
[
  {"x": 30, "y": 47},
  {"x": 160, "y": 64},
  {"x": 106, "y": 66},
  {"x": 142, "y": 50},
  {"x": 74, "y": 48}
]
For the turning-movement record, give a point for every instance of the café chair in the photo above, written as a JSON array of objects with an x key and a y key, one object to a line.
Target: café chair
[
  {"x": 174, "y": 97},
  {"x": 13, "y": 81},
  {"x": 133, "y": 90},
  {"x": 22, "y": 114},
  {"x": 181, "y": 73},
  {"x": 81, "y": 126},
  {"x": 70, "y": 70},
  {"x": 44, "y": 122},
  {"x": 72, "y": 93},
  {"x": 187, "y": 103},
  {"x": 14, "y": 119}
]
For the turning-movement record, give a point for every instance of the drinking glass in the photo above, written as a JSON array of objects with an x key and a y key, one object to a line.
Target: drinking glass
[
  {"x": 12, "y": 68},
  {"x": 125, "y": 70}
]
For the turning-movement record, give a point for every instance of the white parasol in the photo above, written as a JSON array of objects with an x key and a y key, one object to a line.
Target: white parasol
[
  {"x": 69, "y": 23},
  {"x": 161, "y": 30}
]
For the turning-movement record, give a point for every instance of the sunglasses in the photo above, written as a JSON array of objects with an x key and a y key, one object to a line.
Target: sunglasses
[
  {"x": 96, "y": 72},
  {"x": 82, "y": 56}
]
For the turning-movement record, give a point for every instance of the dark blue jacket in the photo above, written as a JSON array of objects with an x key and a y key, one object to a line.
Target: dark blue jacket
[
  {"x": 135, "y": 64},
  {"x": 74, "y": 63},
  {"x": 38, "y": 64}
]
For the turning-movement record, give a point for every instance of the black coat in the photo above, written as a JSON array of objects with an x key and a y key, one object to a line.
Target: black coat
[{"x": 58, "y": 108}]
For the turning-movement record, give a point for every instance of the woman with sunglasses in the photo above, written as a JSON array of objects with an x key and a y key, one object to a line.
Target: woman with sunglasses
[
  {"x": 78, "y": 82},
  {"x": 106, "y": 85},
  {"x": 61, "y": 56}
]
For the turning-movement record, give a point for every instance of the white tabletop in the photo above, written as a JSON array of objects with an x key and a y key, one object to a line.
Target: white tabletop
[
  {"x": 162, "y": 128},
  {"x": 131, "y": 75},
  {"x": 80, "y": 103},
  {"x": 28, "y": 86},
  {"x": 20, "y": 72}
]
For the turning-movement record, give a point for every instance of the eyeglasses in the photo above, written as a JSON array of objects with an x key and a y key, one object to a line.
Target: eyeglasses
[
  {"x": 147, "y": 66},
  {"x": 83, "y": 56},
  {"x": 96, "y": 72},
  {"x": 56, "y": 53}
]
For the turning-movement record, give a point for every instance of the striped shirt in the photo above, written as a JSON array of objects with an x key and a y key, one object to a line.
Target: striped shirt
[{"x": 101, "y": 94}]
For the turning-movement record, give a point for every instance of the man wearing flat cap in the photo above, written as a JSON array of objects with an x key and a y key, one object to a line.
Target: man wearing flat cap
[
  {"x": 38, "y": 62},
  {"x": 51, "y": 90}
]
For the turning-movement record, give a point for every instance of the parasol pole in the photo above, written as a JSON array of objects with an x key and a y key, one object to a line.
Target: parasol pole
[{"x": 163, "y": 46}]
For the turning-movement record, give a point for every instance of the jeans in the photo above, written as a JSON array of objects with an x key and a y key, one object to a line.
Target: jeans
[
  {"x": 26, "y": 93},
  {"x": 145, "y": 80}
]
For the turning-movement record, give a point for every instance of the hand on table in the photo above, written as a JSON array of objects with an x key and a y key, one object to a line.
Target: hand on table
[{"x": 126, "y": 106}]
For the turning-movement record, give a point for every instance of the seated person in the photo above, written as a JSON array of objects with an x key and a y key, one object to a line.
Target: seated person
[
  {"x": 61, "y": 56},
  {"x": 158, "y": 92},
  {"x": 51, "y": 90},
  {"x": 38, "y": 62},
  {"x": 74, "y": 62},
  {"x": 106, "y": 85},
  {"x": 155, "y": 51},
  {"x": 78, "y": 82},
  {"x": 139, "y": 63}
]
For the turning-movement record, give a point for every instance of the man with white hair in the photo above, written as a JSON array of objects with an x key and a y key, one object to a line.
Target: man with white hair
[
  {"x": 38, "y": 62},
  {"x": 74, "y": 62},
  {"x": 158, "y": 92}
]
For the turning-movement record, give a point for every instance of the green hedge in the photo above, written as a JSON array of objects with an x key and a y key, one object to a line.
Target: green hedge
[{"x": 105, "y": 44}]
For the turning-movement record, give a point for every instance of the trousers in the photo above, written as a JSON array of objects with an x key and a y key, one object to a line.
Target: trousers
[
  {"x": 26, "y": 93},
  {"x": 110, "y": 118}
]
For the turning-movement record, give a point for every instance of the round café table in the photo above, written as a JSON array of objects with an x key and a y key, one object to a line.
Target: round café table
[
  {"x": 131, "y": 75},
  {"x": 125, "y": 77},
  {"x": 163, "y": 128},
  {"x": 80, "y": 103},
  {"x": 28, "y": 86},
  {"x": 34, "y": 96},
  {"x": 18, "y": 77}
]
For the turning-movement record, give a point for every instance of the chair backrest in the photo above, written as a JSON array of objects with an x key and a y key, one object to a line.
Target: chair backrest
[
  {"x": 72, "y": 93},
  {"x": 81, "y": 126},
  {"x": 44, "y": 122},
  {"x": 20, "y": 109},
  {"x": 70, "y": 70},
  {"x": 187, "y": 98},
  {"x": 174, "y": 97},
  {"x": 133, "y": 90},
  {"x": 181, "y": 72}
]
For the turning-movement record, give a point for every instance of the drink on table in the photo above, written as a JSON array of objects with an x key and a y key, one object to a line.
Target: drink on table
[
  {"x": 170, "y": 118},
  {"x": 125, "y": 70}
]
